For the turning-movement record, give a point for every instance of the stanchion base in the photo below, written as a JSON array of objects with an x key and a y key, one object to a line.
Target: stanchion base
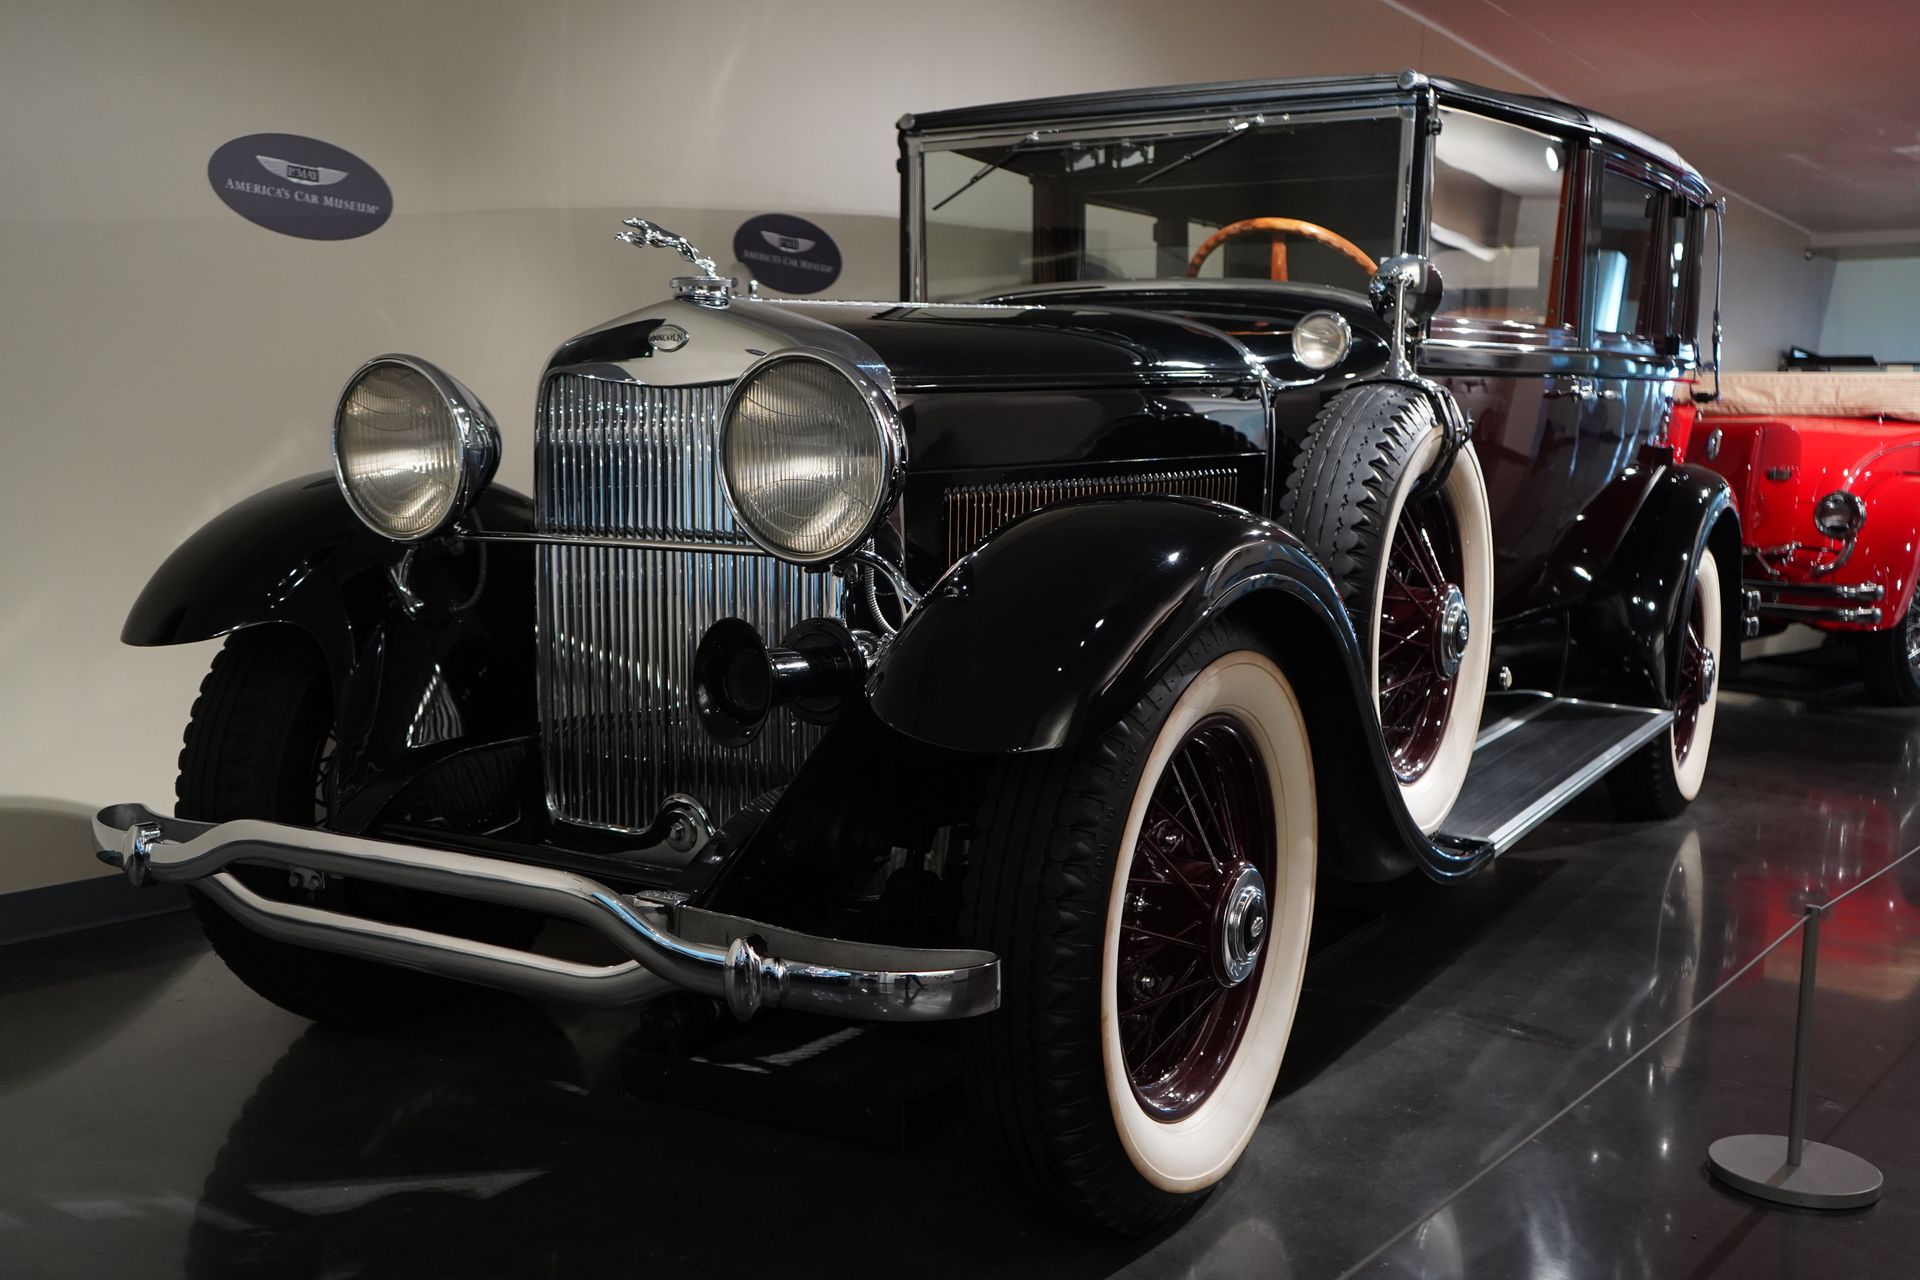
[{"x": 1826, "y": 1177}]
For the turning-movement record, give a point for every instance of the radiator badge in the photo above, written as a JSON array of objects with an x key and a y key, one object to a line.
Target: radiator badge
[{"x": 668, "y": 337}]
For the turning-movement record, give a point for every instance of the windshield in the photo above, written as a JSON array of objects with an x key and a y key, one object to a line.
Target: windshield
[{"x": 1322, "y": 196}]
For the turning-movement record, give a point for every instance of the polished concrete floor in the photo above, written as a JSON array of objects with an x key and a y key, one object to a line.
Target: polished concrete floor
[{"x": 157, "y": 1120}]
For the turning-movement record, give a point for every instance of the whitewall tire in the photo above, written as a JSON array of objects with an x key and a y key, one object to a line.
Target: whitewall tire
[
  {"x": 1150, "y": 895},
  {"x": 1662, "y": 778}
]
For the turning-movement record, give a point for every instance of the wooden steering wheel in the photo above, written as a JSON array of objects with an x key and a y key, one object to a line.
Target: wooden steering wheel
[{"x": 1278, "y": 227}]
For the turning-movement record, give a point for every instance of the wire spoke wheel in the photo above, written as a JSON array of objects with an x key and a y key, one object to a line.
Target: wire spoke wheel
[
  {"x": 1190, "y": 956},
  {"x": 1691, "y": 693},
  {"x": 1421, "y": 633}
]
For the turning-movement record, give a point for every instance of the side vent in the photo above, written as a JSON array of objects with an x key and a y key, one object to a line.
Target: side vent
[{"x": 974, "y": 512}]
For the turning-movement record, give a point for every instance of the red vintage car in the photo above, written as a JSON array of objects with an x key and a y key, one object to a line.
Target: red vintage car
[{"x": 1826, "y": 470}]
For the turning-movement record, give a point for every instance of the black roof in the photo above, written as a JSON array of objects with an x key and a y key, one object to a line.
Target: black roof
[{"x": 1295, "y": 92}]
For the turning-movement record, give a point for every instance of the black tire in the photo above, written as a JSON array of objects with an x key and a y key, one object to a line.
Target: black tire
[
  {"x": 1354, "y": 482},
  {"x": 255, "y": 747},
  {"x": 1890, "y": 660},
  {"x": 1660, "y": 780},
  {"x": 1046, "y": 849}
]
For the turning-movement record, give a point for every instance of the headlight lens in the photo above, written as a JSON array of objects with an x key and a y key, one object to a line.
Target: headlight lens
[
  {"x": 810, "y": 451},
  {"x": 411, "y": 447},
  {"x": 1321, "y": 339},
  {"x": 1840, "y": 515}
]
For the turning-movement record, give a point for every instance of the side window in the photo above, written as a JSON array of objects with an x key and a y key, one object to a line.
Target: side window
[
  {"x": 1619, "y": 275},
  {"x": 1497, "y": 197},
  {"x": 1683, "y": 272}
]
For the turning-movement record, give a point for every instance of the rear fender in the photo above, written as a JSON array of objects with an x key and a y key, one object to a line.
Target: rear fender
[{"x": 1622, "y": 633}]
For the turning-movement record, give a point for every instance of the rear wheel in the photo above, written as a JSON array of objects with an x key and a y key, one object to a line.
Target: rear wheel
[
  {"x": 1890, "y": 660},
  {"x": 1149, "y": 893},
  {"x": 259, "y": 744},
  {"x": 1661, "y": 779},
  {"x": 1414, "y": 565}
]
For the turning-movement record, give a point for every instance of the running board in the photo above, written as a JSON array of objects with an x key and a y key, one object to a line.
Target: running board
[{"x": 1534, "y": 754}]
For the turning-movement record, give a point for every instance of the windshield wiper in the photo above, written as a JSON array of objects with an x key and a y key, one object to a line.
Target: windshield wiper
[
  {"x": 998, "y": 162},
  {"x": 1235, "y": 129}
]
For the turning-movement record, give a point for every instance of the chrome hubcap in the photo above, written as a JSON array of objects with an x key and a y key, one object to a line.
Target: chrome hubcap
[
  {"x": 1450, "y": 639},
  {"x": 1242, "y": 926}
]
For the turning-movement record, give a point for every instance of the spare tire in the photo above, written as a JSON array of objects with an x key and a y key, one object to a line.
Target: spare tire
[{"x": 1414, "y": 565}]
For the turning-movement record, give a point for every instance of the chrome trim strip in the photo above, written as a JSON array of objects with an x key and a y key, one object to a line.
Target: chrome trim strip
[
  {"x": 1513, "y": 829},
  {"x": 593, "y": 540},
  {"x": 669, "y": 944},
  {"x": 1538, "y": 700}
]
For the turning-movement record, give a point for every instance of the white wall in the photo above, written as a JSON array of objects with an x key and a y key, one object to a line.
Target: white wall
[
  {"x": 1773, "y": 294},
  {"x": 1874, "y": 309},
  {"x": 161, "y": 358}
]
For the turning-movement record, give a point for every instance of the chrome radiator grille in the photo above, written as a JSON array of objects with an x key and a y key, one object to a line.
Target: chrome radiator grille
[
  {"x": 975, "y": 511},
  {"x": 618, "y": 626}
]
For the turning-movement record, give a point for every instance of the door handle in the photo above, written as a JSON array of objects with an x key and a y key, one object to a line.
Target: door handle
[
  {"x": 1571, "y": 387},
  {"x": 1574, "y": 387}
]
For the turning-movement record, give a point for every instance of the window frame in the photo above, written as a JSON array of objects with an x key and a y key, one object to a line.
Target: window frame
[
  {"x": 1656, "y": 298},
  {"x": 1566, "y": 233}
]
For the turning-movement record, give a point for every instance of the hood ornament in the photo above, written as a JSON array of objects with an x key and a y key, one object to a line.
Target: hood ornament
[{"x": 708, "y": 289}]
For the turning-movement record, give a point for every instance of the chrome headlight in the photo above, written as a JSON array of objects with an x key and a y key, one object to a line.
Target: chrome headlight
[
  {"x": 811, "y": 454},
  {"x": 1840, "y": 515},
  {"x": 411, "y": 447},
  {"x": 1321, "y": 340}
]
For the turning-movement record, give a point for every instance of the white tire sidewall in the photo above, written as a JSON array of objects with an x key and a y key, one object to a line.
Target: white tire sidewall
[
  {"x": 1688, "y": 774},
  {"x": 1430, "y": 796},
  {"x": 1197, "y": 1150}
]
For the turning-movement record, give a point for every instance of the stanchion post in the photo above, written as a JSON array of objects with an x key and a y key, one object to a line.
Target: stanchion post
[
  {"x": 1803, "y": 1034},
  {"x": 1791, "y": 1170}
]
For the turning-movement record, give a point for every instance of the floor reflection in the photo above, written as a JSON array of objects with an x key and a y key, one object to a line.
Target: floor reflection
[{"x": 157, "y": 1119}]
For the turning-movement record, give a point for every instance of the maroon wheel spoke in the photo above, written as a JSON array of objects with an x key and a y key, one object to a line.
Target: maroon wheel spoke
[
  {"x": 1167, "y": 938},
  {"x": 1152, "y": 1002},
  {"x": 1183, "y": 992},
  {"x": 1199, "y": 822},
  {"x": 1690, "y": 692},
  {"x": 1174, "y": 871},
  {"x": 1424, "y": 568}
]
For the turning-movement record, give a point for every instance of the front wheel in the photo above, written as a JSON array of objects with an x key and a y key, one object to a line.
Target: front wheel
[
  {"x": 259, "y": 745},
  {"x": 1890, "y": 660},
  {"x": 1150, "y": 894},
  {"x": 1661, "y": 779}
]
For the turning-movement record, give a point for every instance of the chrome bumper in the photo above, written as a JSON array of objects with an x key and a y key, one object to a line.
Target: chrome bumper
[
  {"x": 749, "y": 965},
  {"x": 1856, "y": 604}
]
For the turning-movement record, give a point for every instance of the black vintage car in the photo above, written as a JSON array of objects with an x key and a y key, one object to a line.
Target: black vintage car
[{"x": 1258, "y": 482}]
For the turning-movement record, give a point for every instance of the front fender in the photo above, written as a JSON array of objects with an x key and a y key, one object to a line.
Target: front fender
[
  {"x": 1622, "y": 633},
  {"x": 1055, "y": 627},
  {"x": 450, "y": 662}
]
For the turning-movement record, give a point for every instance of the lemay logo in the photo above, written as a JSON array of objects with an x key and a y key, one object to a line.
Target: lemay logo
[
  {"x": 787, "y": 244},
  {"x": 300, "y": 186},
  {"x": 787, "y": 253},
  {"x": 309, "y": 175}
]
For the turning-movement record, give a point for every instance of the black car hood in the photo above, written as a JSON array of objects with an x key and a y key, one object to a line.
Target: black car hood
[
  {"x": 1029, "y": 344},
  {"x": 1170, "y": 333},
  {"x": 1094, "y": 335}
]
